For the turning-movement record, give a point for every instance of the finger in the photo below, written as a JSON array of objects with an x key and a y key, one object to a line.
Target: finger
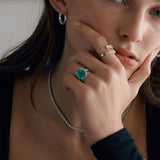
[
  {"x": 97, "y": 41},
  {"x": 88, "y": 60},
  {"x": 91, "y": 36},
  {"x": 137, "y": 79},
  {"x": 71, "y": 83},
  {"x": 74, "y": 68},
  {"x": 94, "y": 65}
]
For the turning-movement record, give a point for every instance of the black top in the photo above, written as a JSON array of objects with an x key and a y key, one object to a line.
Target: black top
[{"x": 118, "y": 146}]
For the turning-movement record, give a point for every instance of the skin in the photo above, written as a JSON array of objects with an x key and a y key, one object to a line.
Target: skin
[
  {"x": 134, "y": 28},
  {"x": 96, "y": 103}
]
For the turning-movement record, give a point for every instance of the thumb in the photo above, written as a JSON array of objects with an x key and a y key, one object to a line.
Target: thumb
[{"x": 137, "y": 79}]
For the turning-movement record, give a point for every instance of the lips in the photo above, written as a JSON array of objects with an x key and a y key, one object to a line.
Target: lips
[{"x": 126, "y": 57}]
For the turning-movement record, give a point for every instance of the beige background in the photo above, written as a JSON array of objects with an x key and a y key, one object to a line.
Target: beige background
[{"x": 18, "y": 19}]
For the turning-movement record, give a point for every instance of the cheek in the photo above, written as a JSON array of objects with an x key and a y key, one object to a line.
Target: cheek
[
  {"x": 93, "y": 16},
  {"x": 151, "y": 41},
  {"x": 150, "y": 44}
]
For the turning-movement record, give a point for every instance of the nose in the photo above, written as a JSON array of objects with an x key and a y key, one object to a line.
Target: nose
[{"x": 132, "y": 27}]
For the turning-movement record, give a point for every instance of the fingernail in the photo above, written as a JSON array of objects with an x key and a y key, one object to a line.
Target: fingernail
[{"x": 76, "y": 23}]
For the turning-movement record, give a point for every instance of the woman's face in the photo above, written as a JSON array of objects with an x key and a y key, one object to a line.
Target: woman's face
[{"x": 133, "y": 28}]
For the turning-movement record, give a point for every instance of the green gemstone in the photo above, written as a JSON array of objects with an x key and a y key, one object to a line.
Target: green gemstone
[{"x": 81, "y": 74}]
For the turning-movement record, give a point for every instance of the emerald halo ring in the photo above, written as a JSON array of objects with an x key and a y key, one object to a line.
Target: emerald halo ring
[{"x": 81, "y": 73}]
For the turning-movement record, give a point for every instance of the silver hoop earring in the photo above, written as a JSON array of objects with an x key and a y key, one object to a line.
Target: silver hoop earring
[{"x": 62, "y": 19}]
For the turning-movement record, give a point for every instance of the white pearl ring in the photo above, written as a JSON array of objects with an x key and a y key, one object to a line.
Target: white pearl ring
[{"x": 110, "y": 50}]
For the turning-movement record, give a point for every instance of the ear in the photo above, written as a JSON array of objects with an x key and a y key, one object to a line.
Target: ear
[{"x": 61, "y": 6}]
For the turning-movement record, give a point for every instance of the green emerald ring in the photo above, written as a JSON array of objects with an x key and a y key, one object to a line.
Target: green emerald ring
[{"x": 81, "y": 73}]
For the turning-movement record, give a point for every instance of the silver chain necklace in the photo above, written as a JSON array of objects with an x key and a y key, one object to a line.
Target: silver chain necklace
[
  {"x": 55, "y": 105},
  {"x": 58, "y": 109}
]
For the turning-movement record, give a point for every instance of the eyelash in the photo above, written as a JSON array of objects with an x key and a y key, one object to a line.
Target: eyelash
[{"x": 121, "y": 1}]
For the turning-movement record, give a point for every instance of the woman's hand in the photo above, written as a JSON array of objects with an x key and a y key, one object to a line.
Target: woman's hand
[{"x": 106, "y": 92}]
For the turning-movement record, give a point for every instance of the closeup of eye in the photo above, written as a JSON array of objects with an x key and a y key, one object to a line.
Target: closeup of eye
[
  {"x": 118, "y": 0},
  {"x": 156, "y": 13},
  {"x": 121, "y": 1}
]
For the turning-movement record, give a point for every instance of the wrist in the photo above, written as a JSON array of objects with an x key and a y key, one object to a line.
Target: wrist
[{"x": 100, "y": 134}]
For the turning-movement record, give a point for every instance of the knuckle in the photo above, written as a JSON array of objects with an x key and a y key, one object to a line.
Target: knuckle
[
  {"x": 99, "y": 39},
  {"x": 83, "y": 95},
  {"x": 70, "y": 67},
  {"x": 100, "y": 86},
  {"x": 97, "y": 84},
  {"x": 113, "y": 76},
  {"x": 82, "y": 27},
  {"x": 80, "y": 54},
  {"x": 148, "y": 72},
  {"x": 67, "y": 78},
  {"x": 107, "y": 73},
  {"x": 75, "y": 57},
  {"x": 120, "y": 69}
]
